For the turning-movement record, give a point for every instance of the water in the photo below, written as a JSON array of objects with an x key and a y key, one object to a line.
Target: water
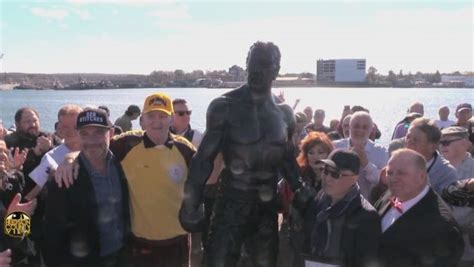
[{"x": 387, "y": 105}]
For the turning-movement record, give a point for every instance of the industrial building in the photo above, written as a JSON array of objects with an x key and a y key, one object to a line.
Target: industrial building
[{"x": 341, "y": 71}]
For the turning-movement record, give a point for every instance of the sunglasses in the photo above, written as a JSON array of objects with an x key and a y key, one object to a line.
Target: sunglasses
[
  {"x": 448, "y": 142},
  {"x": 182, "y": 113},
  {"x": 335, "y": 174}
]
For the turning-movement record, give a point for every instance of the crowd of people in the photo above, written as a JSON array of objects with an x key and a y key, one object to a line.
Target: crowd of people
[{"x": 264, "y": 185}]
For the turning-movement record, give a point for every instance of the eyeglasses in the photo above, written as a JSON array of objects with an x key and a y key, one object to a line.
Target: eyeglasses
[
  {"x": 335, "y": 174},
  {"x": 448, "y": 142},
  {"x": 182, "y": 113}
]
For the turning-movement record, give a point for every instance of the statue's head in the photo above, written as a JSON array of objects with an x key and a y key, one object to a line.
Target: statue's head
[{"x": 263, "y": 64}]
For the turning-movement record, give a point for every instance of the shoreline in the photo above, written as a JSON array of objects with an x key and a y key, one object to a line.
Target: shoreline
[{"x": 211, "y": 88}]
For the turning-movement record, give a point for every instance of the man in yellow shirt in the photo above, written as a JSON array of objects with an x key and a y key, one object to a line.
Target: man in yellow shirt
[{"x": 155, "y": 163}]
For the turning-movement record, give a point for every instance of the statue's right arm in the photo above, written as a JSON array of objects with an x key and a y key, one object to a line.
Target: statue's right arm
[{"x": 202, "y": 163}]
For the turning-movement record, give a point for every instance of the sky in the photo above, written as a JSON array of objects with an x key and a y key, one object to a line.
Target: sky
[{"x": 126, "y": 36}]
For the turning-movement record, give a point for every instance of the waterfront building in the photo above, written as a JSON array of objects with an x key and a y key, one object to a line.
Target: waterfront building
[{"x": 341, "y": 71}]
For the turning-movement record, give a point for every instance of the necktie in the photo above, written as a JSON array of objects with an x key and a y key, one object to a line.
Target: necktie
[{"x": 396, "y": 204}]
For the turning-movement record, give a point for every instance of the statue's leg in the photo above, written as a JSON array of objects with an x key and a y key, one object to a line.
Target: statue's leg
[
  {"x": 263, "y": 246},
  {"x": 226, "y": 234}
]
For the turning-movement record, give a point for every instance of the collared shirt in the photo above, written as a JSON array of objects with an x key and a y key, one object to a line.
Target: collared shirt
[
  {"x": 192, "y": 135},
  {"x": 108, "y": 194},
  {"x": 49, "y": 162},
  {"x": 155, "y": 176},
  {"x": 430, "y": 162},
  {"x": 393, "y": 214}
]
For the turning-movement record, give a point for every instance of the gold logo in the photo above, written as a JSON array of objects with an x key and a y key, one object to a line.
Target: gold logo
[
  {"x": 157, "y": 101},
  {"x": 17, "y": 224}
]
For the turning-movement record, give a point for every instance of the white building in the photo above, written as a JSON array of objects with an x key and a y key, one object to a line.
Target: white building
[
  {"x": 341, "y": 70},
  {"x": 459, "y": 80}
]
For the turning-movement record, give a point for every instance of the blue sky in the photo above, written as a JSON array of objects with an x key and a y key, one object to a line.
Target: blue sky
[{"x": 142, "y": 36}]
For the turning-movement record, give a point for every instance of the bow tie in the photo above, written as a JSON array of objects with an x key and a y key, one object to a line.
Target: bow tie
[{"x": 396, "y": 204}]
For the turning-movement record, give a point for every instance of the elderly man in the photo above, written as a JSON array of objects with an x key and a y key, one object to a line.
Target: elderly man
[
  {"x": 464, "y": 119},
  {"x": 340, "y": 224},
  {"x": 155, "y": 163},
  {"x": 418, "y": 229},
  {"x": 423, "y": 137},
  {"x": 254, "y": 135},
  {"x": 372, "y": 156},
  {"x": 87, "y": 224},
  {"x": 181, "y": 122},
  {"x": 454, "y": 145}
]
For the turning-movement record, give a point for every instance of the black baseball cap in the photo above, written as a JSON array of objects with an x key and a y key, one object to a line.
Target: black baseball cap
[
  {"x": 343, "y": 159},
  {"x": 93, "y": 117}
]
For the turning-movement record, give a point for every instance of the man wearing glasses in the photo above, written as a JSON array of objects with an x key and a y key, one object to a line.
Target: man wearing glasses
[
  {"x": 454, "y": 146},
  {"x": 342, "y": 228},
  {"x": 181, "y": 122}
]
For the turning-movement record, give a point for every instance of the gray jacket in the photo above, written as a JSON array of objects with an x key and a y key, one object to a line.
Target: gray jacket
[{"x": 441, "y": 174}]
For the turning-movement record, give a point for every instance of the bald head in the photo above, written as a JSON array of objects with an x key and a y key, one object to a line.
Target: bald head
[
  {"x": 406, "y": 174},
  {"x": 443, "y": 113},
  {"x": 417, "y": 107}
]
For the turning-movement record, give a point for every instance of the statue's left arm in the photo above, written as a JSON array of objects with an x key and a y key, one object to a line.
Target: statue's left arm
[{"x": 190, "y": 215}]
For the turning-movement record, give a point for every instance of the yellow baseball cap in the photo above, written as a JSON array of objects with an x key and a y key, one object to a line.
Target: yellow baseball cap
[{"x": 160, "y": 102}]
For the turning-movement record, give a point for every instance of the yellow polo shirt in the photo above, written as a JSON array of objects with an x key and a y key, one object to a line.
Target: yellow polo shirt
[{"x": 155, "y": 176}]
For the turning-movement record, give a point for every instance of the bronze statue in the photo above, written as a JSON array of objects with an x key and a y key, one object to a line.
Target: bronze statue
[{"x": 254, "y": 135}]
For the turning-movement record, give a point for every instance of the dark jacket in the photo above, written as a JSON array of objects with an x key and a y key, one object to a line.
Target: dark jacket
[
  {"x": 426, "y": 235},
  {"x": 360, "y": 234},
  {"x": 71, "y": 230},
  {"x": 458, "y": 195}
]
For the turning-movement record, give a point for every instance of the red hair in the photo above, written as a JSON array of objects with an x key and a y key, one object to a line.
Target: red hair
[{"x": 312, "y": 139}]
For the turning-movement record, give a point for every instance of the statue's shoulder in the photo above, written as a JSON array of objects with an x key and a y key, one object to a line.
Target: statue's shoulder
[
  {"x": 237, "y": 93},
  {"x": 223, "y": 102},
  {"x": 287, "y": 110}
]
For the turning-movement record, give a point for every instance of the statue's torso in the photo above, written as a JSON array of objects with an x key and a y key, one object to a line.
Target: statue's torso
[{"x": 254, "y": 144}]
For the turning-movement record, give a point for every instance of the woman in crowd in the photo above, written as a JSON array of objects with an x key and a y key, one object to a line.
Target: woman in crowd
[{"x": 314, "y": 147}]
